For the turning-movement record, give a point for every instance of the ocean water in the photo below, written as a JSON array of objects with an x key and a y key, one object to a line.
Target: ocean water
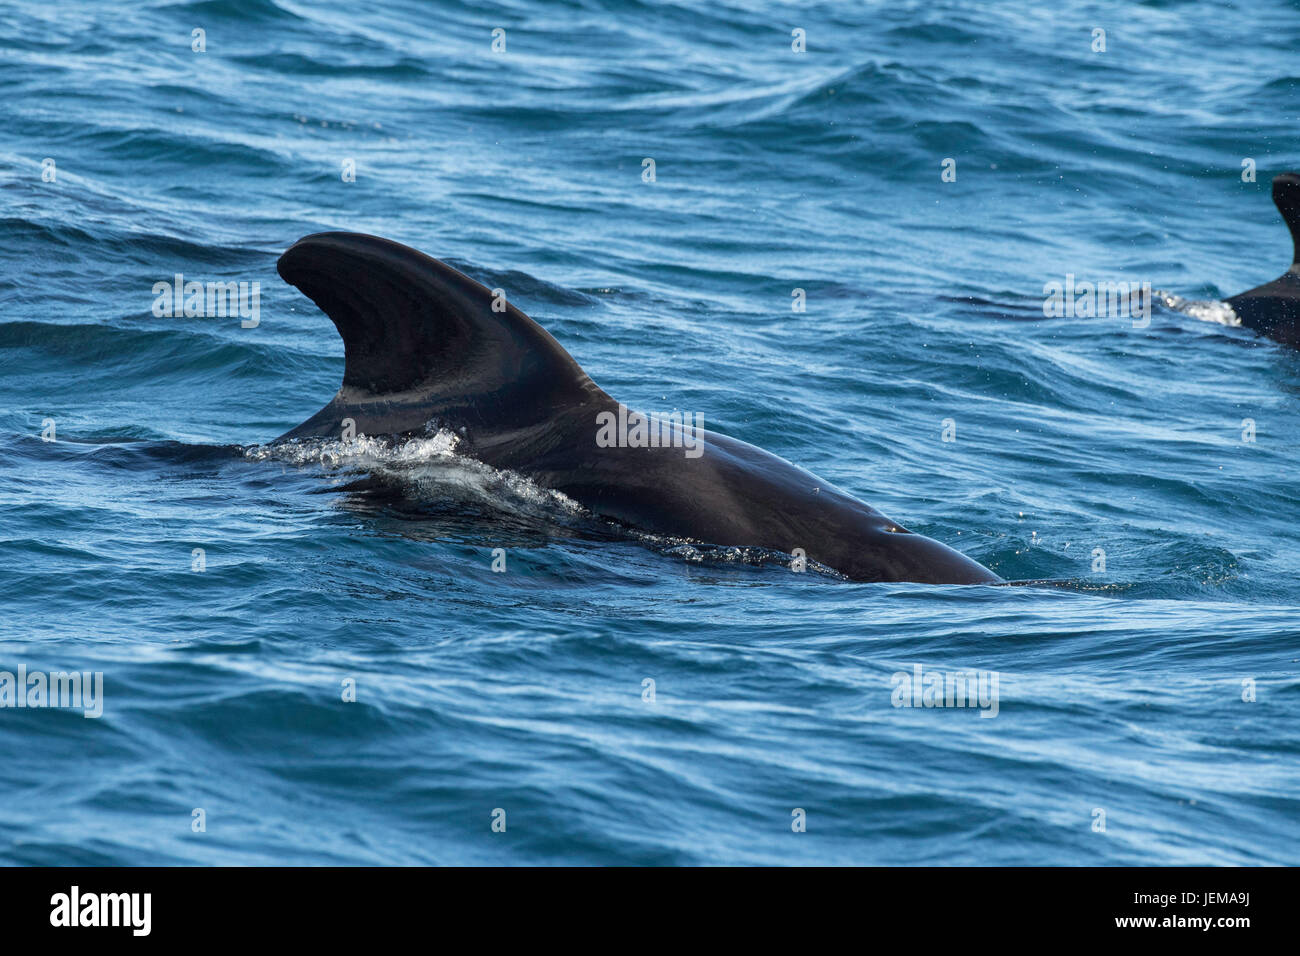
[{"x": 231, "y": 592}]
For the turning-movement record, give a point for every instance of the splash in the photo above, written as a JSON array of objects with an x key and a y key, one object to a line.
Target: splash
[
  {"x": 362, "y": 451},
  {"x": 426, "y": 469},
  {"x": 1212, "y": 310}
]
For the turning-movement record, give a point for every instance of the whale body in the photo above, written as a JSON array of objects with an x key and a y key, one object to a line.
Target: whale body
[{"x": 428, "y": 347}]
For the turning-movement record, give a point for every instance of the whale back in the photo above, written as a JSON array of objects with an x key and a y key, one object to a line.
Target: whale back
[{"x": 426, "y": 346}]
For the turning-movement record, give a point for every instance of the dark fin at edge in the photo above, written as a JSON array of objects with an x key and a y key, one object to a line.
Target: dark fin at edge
[
  {"x": 1286, "y": 196},
  {"x": 1273, "y": 309}
]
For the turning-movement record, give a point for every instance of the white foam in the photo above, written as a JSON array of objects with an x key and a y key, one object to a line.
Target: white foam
[
  {"x": 362, "y": 450},
  {"x": 430, "y": 467},
  {"x": 1220, "y": 313}
]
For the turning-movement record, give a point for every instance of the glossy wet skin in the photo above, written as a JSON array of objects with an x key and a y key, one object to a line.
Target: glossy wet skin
[
  {"x": 423, "y": 344},
  {"x": 732, "y": 494}
]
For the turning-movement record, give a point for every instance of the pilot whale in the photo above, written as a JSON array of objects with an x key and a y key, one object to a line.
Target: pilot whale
[
  {"x": 426, "y": 346},
  {"x": 1273, "y": 309}
]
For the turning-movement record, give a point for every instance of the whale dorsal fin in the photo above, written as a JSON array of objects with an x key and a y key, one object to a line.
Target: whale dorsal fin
[
  {"x": 421, "y": 336},
  {"x": 1286, "y": 196}
]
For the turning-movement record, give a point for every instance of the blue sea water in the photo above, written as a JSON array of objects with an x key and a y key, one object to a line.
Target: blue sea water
[{"x": 1125, "y": 732}]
